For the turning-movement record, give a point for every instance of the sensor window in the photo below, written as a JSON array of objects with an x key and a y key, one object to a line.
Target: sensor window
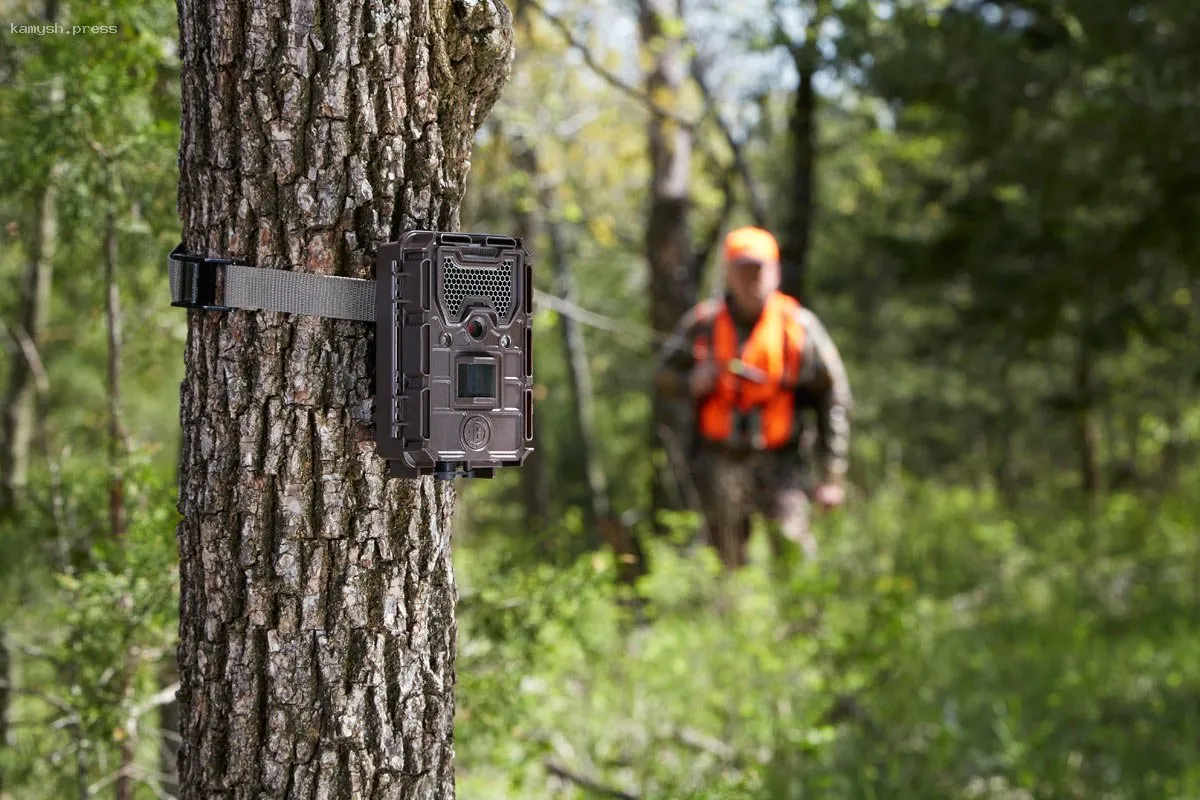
[{"x": 477, "y": 381}]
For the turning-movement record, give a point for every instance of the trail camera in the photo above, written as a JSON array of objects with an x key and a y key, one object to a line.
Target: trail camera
[
  {"x": 453, "y": 341},
  {"x": 454, "y": 332}
]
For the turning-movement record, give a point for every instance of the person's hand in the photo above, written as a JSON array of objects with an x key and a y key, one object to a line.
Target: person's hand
[
  {"x": 703, "y": 378},
  {"x": 829, "y": 496}
]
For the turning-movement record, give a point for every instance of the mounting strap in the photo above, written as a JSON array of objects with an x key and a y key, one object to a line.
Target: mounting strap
[{"x": 222, "y": 284}]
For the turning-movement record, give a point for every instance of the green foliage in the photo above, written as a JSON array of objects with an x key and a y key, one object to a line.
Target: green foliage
[
  {"x": 1001, "y": 254},
  {"x": 90, "y": 119},
  {"x": 97, "y": 116},
  {"x": 87, "y": 653},
  {"x": 964, "y": 652}
]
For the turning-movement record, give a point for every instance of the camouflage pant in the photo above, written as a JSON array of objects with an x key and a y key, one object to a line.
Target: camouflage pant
[{"x": 733, "y": 487}]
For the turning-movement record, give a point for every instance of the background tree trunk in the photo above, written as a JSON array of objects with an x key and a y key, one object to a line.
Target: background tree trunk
[
  {"x": 116, "y": 430},
  {"x": 168, "y": 718},
  {"x": 796, "y": 230},
  {"x": 797, "y": 227},
  {"x": 317, "y": 623},
  {"x": 668, "y": 246},
  {"x": 18, "y": 413},
  {"x": 535, "y": 487},
  {"x": 579, "y": 374},
  {"x": 123, "y": 788},
  {"x": 5, "y": 677},
  {"x": 1086, "y": 428}
]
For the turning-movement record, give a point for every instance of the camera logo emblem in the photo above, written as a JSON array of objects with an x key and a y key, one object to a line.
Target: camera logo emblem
[{"x": 476, "y": 432}]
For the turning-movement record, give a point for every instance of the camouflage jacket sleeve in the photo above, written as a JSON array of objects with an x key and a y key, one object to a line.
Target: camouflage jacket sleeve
[{"x": 824, "y": 387}]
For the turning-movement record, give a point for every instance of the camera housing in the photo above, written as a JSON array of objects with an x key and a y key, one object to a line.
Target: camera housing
[{"x": 454, "y": 354}]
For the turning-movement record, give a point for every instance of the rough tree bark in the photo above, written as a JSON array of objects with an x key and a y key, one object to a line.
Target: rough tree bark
[
  {"x": 317, "y": 624},
  {"x": 668, "y": 246}
]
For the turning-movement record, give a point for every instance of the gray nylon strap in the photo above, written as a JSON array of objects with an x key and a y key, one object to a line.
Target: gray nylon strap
[{"x": 288, "y": 292}]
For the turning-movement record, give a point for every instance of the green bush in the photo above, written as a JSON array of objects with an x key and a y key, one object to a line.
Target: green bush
[
  {"x": 88, "y": 649},
  {"x": 942, "y": 648}
]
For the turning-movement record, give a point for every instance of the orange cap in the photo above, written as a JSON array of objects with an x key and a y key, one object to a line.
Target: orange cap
[{"x": 750, "y": 244}]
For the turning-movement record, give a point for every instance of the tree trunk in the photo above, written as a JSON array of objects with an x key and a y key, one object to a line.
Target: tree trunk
[
  {"x": 123, "y": 787},
  {"x": 1087, "y": 434},
  {"x": 796, "y": 230},
  {"x": 21, "y": 412},
  {"x": 5, "y": 677},
  {"x": 579, "y": 375},
  {"x": 18, "y": 414},
  {"x": 1171, "y": 457},
  {"x": 535, "y": 488},
  {"x": 668, "y": 247},
  {"x": 1002, "y": 435},
  {"x": 710, "y": 242},
  {"x": 168, "y": 719},
  {"x": 317, "y": 623},
  {"x": 116, "y": 434}
]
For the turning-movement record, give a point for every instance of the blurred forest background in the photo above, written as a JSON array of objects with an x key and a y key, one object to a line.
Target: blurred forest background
[{"x": 993, "y": 206}]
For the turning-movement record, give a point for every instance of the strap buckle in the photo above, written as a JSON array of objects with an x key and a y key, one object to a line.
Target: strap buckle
[{"x": 201, "y": 281}]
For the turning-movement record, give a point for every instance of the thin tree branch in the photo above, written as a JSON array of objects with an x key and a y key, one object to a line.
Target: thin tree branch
[
  {"x": 108, "y": 780},
  {"x": 163, "y": 733},
  {"x": 154, "y": 784},
  {"x": 41, "y": 385},
  {"x": 698, "y": 740},
  {"x": 54, "y": 723},
  {"x": 781, "y": 35},
  {"x": 29, "y": 352},
  {"x": 587, "y": 783},
  {"x": 599, "y": 321},
  {"x": 758, "y": 208},
  {"x": 605, "y": 74},
  {"x": 31, "y": 650},
  {"x": 710, "y": 241},
  {"x": 49, "y": 699},
  {"x": 578, "y": 367},
  {"x": 154, "y": 701}
]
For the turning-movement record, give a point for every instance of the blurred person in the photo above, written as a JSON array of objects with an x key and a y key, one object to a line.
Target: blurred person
[{"x": 751, "y": 363}]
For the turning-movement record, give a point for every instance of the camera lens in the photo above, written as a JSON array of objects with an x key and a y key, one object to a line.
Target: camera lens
[{"x": 475, "y": 329}]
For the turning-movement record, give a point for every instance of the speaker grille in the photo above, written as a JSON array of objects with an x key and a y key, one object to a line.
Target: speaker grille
[{"x": 492, "y": 282}]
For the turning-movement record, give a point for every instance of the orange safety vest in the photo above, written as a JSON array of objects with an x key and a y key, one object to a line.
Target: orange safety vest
[{"x": 740, "y": 411}]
